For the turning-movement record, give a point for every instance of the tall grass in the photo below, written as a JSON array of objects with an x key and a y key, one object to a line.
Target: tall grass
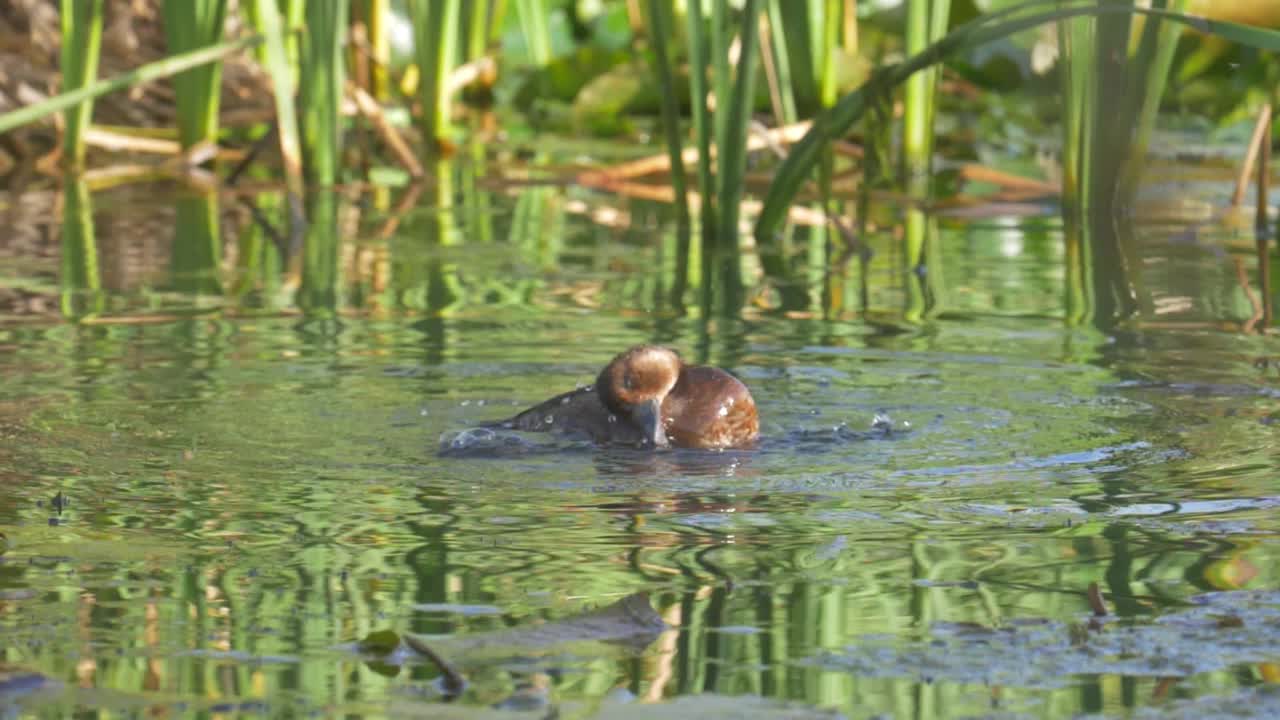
[
  {"x": 191, "y": 25},
  {"x": 81, "y": 41}
]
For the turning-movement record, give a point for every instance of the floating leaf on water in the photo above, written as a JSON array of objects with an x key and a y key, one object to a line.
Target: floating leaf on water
[{"x": 380, "y": 642}]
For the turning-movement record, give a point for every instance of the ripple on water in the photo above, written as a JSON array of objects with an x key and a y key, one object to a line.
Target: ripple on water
[{"x": 1219, "y": 631}]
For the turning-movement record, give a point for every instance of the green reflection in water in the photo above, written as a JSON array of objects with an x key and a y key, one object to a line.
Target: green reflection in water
[
  {"x": 81, "y": 285},
  {"x": 197, "y": 244},
  {"x": 247, "y": 494}
]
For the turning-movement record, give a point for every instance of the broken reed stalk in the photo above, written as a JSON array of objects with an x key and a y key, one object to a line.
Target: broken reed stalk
[
  {"x": 454, "y": 682},
  {"x": 1256, "y": 141},
  {"x": 1264, "y": 173},
  {"x": 372, "y": 109},
  {"x": 1263, "y": 232}
]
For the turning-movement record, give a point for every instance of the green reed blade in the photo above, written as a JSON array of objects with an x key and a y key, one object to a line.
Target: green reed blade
[
  {"x": 322, "y": 83},
  {"x": 698, "y": 41},
  {"x": 832, "y": 124},
  {"x": 721, "y": 83},
  {"x": 533, "y": 24},
  {"x": 477, "y": 31},
  {"x": 826, "y": 52},
  {"x": 732, "y": 154},
  {"x": 188, "y": 25},
  {"x": 1155, "y": 56},
  {"x": 793, "y": 24},
  {"x": 782, "y": 60},
  {"x": 660, "y": 25},
  {"x": 436, "y": 27},
  {"x": 143, "y": 74},
  {"x": 81, "y": 42},
  {"x": 377, "y": 19},
  {"x": 1076, "y": 71},
  {"x": 926, "y": 24},
  {"x": 276, "y": 61},
  {"x": 497, "y": 20}
]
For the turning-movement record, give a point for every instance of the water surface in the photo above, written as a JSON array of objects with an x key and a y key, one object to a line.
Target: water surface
[{"x": 210, "y": 498}]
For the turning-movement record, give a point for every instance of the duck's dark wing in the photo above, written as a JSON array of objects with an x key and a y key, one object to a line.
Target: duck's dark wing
[{"x": 578, "y": 412}]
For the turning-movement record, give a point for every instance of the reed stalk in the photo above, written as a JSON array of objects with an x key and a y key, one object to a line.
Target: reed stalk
[
  {"x": 809, "y": 151},
  {"x": 781, "y": 57},
  {"x": 323, "y": 78},
  {"x": 436, "y": 26},
  {"x": 731, "y": 151},
  {"x": 660, "y": 24},
  {"x": 275, "y": 59},
  {"x": 1154, "y": 61},
  {"x": 926, "y": 24},
  {"x": 191, "y": 25},
  {"x": 702, "y": 123},
  {"x": 533, "y": 24},
  {"x": 377, "y": 14},
  {"x": 81, "y": 41}
]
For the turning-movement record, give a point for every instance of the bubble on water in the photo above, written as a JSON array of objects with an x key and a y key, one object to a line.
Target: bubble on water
[
  {"x": 548, "y": 419},
  {"x": 613, "y": 418},
  {"x": 564, "y": 400},
  {"x": 466, "y": 439},
  {"x": 465, "y": 403},
  {"x": 590, "y": 388},
  {"x": 480, "y": 403},
  {"x": 481, "y": 442}
]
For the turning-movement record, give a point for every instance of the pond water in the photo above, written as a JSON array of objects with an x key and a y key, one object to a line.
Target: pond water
[{"x": 209, "y": 500}]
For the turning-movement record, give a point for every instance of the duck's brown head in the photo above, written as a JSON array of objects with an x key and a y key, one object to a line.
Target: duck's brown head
[{"x": 634, "y": 385}]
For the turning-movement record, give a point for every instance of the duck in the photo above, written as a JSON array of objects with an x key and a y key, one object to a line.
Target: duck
[{"x": 648, "y": 397}]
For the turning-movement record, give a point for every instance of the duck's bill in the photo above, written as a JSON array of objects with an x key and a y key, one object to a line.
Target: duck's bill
[{"x": 649, "y": 417}]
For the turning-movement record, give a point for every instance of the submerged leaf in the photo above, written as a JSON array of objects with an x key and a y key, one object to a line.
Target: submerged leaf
[{"x": 631, "y": 622}]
